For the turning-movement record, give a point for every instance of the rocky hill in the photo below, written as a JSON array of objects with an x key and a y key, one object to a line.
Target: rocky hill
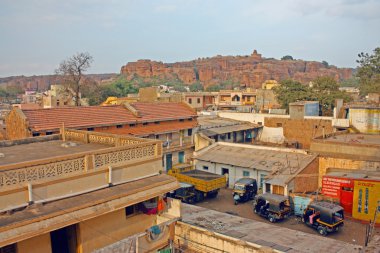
[
  {"x": 43, "y": 82},
  {"x": 250, "y": 70}
]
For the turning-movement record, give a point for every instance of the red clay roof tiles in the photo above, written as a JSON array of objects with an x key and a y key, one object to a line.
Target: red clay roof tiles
[
  {"x": 154, "y": 129},
  {"x": 92, "y": 116}
]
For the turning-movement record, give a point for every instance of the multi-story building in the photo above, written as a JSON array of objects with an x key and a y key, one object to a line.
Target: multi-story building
[
  {"x": 82, "y": 191},
  {"x": 173, "y": 123}
]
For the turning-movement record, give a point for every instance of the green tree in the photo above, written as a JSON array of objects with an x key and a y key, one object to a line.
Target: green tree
[
  {"x": 287, "y": 58},
  {"x": 369, "y": 72},
  {"x": 326, "y": 91},
  {"x": 326, "y": 64},
  {"x": 351, "y": 82},
  {"x": 196, "y": 87},
  {"x": 292, "y": 91}
]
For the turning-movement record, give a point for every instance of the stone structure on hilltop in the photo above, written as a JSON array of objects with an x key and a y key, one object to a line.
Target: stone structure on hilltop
[{"x": 250, "y": 71}]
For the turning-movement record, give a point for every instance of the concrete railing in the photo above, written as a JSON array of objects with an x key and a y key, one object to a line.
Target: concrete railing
[{"x": 67, "y": 175}]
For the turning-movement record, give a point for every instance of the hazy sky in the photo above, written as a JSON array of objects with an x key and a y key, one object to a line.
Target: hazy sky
[{"x": 36, "y": 35}]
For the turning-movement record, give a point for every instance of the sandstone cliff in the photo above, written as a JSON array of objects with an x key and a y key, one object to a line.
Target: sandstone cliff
[{"x": 250, "y": 70}]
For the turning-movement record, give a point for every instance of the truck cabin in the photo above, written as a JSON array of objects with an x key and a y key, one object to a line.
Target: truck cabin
[
  {"x": 326, "y": 212},
  {"x": 184, "y": 189}
]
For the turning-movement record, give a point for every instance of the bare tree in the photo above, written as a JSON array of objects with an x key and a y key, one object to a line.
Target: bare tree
[{"x": 72, "y": 71}]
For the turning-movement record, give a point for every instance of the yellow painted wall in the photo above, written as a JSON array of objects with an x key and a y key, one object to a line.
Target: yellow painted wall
[
  {"x": 110, "y": 228},
  {"x": 37, "y": 244},
  {"x": 340, "y": 163},
  {"x": 359, "y": 210}
]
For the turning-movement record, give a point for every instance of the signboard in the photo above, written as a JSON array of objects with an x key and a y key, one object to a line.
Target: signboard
[
  {"x": 366, "y": 197},
  {"x": 331, "y": 186}
]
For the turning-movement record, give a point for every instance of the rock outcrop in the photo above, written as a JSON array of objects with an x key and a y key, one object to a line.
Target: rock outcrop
[{"x": 250, "y": 70}]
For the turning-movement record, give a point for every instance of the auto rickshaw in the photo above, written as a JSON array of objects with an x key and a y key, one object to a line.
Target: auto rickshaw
[
  {"x": 271, "y": 206},
  {"x": 324, "y": 216},
  {"x": 244, "y": 189}
]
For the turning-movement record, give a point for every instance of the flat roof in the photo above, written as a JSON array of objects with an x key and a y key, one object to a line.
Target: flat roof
[
  {"x": 352, "y": 138},
  {"x": 55, "y": 208},
  {"x": 264, "y": 234},
  {"x": 260, "y": 158},
  {"x": 43, "y": 150}
]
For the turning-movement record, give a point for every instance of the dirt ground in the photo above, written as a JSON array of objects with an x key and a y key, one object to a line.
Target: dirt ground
[{"x": 352, "y": 232}]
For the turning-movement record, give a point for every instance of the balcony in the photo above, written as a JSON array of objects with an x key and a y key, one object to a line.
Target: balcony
[
  {"x": 178, "y": 144},
  {"x": 95, "y": 161},
  {"x": 153, "y": 238}
]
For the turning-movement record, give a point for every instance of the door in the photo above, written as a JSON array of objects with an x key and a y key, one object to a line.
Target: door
[
  {"x": 169, "y": 161},
  {"x": 277, "y": 189},
  {"x": 64, "y": 240},
  {"x": 181, "y": 157},
  {"x": 346, "y": 199},
  {"x": 226, "y": 173}
]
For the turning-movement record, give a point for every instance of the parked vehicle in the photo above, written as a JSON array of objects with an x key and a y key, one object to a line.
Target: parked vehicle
[
  {"x": 271, "y": 206},
  {"x": 324, "y": 216},
  {"x": 244, "y": 189},
  {"x": 186, "y": 193},
  {"x": 205, "y": 184}
]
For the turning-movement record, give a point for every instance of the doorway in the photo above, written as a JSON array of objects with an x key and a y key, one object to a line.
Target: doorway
[
  {"x": 226, "y": 173},
  {"x": 169, "y": 161},
  {"x": 181, "y": 157},
  {"x": 64, "y": 240}
]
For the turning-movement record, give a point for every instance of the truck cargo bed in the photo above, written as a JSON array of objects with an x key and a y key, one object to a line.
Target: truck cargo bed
[{"x": 203, "y": 175}]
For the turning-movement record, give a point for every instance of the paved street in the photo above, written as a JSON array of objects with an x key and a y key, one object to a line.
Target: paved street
[{"x": 352, "y": 232}]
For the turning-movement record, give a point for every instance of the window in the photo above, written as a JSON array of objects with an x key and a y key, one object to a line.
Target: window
[
  {"x": 189, "y": 132},
  {"x": 229, "y": 135},
  {"x": 49, "y": 133},
  {"x": 119, "y": 126},
  {"x": 190, "y": 119},
  {"x": 190, "y": 101},
  {"x": 132, "y": 125},
  {"x": 131, "y": 210},
  {"x": 157, "y": 122},
  {"x": 260, "y": 123},
  {"x": 181, "y": 120},
  {"x": 36, "y": 134},
  {"x": 205, "y": 167},
  {"x": 198, "y": 100},
  {"x": 145, "y": 123},
  {"x": 245, "y": 173},
  {"x": 90, "y": 129},
  {"x": 9, "y": 249},
  {"x": 279, "y": 124}
]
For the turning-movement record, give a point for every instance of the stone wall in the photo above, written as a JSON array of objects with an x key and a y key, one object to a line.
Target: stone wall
[
  {"x": 16, "y": 125},
  {"x": 307, "y": 180},
  {"x": 301, "y": 130}
]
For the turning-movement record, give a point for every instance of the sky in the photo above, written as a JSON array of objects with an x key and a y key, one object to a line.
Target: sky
[{"x": 36, "y": 35}]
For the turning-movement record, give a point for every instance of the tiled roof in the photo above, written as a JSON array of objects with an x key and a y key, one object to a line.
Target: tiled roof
[
  {"x": 163, "y": 110},
  {"x": 155, "y": 129},
  {"x": 92, "y": 116}
]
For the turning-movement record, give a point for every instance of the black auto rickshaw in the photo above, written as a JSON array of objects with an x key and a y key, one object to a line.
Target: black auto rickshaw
[
  {"x": 271, "y": 206},
  {"x": 244, "y": 189},
  {"x": 186, "y": 193},
  {"x": 324, "y": 216}
]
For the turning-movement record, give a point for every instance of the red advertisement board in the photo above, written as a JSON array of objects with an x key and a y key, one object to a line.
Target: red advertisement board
[{"x": 340, "y": 188}]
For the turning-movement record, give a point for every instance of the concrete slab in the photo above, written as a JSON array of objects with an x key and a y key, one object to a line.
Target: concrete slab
[{"x": 282, "y": 239}]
